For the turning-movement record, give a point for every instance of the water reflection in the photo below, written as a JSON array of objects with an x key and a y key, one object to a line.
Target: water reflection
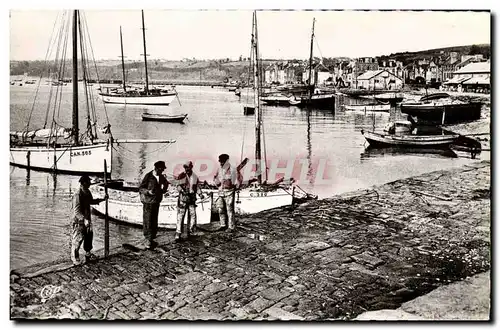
[
  {"x": 309, "y": 147},
  {"x": 372, "y": 152},
  {"x": 41, "y": 203}
]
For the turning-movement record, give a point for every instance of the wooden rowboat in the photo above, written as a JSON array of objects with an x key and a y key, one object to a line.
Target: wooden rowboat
[
  {"x": 163, "y": 117},
  {"x": 415, "y": 141}
]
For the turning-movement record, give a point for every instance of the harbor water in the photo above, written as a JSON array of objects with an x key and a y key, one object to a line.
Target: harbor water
[{"x": 40, "y": 203}]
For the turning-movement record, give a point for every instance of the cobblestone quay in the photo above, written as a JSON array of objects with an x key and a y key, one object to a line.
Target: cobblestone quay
[{"x": 328, "y": 259}]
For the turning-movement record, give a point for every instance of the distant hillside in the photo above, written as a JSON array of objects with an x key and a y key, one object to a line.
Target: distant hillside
[
  {"x": 407, "y": 57},
  {"x": 213, "y": 70},
  {"x": 216, "y": 71}
]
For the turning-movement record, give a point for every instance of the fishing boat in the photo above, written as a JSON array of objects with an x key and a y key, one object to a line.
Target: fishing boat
[
  {"x": 391, "y": 97},
  {"x": 315, "y": 98},
  {"x": 276, "y": 99},
  {"x": 410, "y": 140},
  {"x": 440, "y": 108},
  {"x": 358, "y": 92},
  {"x": 261, "y": 195},
  {"x": 124, "y": 204},
  {"x": 368, "y": 107},
  {"x": 124, "y": 200},
  {"x": 53, "y": 147},
  {"x": 147, "y": 96},
  {"x": 164, "y": 117}
]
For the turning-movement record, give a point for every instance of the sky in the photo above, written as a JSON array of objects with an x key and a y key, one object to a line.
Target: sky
[{"x": 285, "y": 34}]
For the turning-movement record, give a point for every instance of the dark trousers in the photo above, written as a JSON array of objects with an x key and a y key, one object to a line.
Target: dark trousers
[
  {"x": 80, "y": 234},
  {"x": 150, "y": 220}
]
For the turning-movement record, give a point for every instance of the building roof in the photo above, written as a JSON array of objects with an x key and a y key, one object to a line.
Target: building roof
[
  {"x": 369, "y": 74},
  {"x": 477, "y": 67},
  {"x": 477, "y": 80},
  {"x": 373, "y": 73},
  {"x": 456, "y": 80}
]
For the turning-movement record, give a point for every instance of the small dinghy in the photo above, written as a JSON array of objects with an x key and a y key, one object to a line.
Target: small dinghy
[
  {"x": 410, "y": 140},
  {"x": 163, "y": 117}
]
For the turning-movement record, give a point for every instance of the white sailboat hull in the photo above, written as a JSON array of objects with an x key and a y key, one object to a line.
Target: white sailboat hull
[
  {"x": 66, "y": 159},
  {"x": 139, "y": 100},
  {"x": 253, "y": 201},
  {"x": 368, "y": 107},
  {"x": 127, "y": 207}
]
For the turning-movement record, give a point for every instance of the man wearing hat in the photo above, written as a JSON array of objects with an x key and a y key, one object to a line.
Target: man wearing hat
[
  {"x": 151, "y": 190},
  {"x": 82, "y": 226},
  {"x": 187, "y": 186},
  {"x": 226, "y": 179}
]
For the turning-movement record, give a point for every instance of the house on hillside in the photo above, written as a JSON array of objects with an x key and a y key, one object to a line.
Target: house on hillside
[
  {"x": 323, "y": 75},
  {"x": 449, "y": 65},
  {"x": 379, "y": 79},
  {"x": 467, "y": 59},
  {"x": 472, "y": 77},
  {"x": 393, "y": 66},
  {"x": 340, "y": 71},
  {"x": 415, "y": 72},
  {"x": 281, "y": 72},
  {"x": 364, "y": 64},
  {"x": 423, "y": 71}
]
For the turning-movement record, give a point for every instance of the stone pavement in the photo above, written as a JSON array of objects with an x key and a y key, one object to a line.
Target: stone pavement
[
  {"x": 330, "y": 259},
  {"x": 463, "y": 300}
]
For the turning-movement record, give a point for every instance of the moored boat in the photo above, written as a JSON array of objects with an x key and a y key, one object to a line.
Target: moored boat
[
  {"x": 60, "y": 149},
  {"x": 398, "y": 126},
  {"x": 135, "y": 97},
  {"x": 319, "y": 101},
  {"x": 146, "y": 96},
  {"x": 410, "y": 140},
  {"x": 361, "y": 91},
  {"x": 164, "y": 117},
  {"x": 124, "y": 204},
  {"x": 441, "y": 109},
  {"x": 391, "y": 97},
  {"x": 368, "y": 107},
  {"x": 276, "y": 99}
]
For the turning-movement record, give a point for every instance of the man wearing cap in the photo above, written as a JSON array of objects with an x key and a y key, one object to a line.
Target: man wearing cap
[
  {"x": 82, "y": 226},
  {"x": 187, "y": 186},
  {"x": 151, "y": 190},
  {"x": 227, "y": 180}
]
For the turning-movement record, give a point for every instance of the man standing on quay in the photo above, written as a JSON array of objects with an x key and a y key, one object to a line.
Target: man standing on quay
[
  {"x": 187, "y": 186},
  {"x": 227, "y": 179},
  {"x": 82, "y": 226},
  {"x": 151, "y": 190}
]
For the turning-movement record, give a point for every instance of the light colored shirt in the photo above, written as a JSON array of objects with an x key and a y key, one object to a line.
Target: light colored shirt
[
  {"x": 188, "y": 183},
  {"x": 226, "y": 177}
]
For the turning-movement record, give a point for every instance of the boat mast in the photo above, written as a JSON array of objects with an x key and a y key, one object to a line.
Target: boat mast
[
  {"x": 123, "y": 59},
  {"x": 311, "y": 84},
  {"x": 75, "y": 78},
  {"x": 145, "y": 54},
  {"x": 256, "y": 83}
]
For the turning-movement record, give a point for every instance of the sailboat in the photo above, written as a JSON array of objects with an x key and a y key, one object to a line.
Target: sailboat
[
  {"x": 148, "y": 96},
  {"x": 315, "y": 98},
  {"x": 259, "y": 195},
  {"x": 66, "y": 150},
  {"x": 60, "y": 149}
]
